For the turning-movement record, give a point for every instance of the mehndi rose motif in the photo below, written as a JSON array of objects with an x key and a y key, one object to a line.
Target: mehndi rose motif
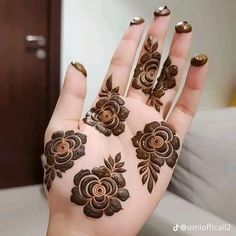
[
  {"x": 61, "y": 152},
  {"x": 165, "y": 81},
  {"x": 147, "y": 68},
  {"x": 109, "y": 113},
  {"x": 101, "y": 190},
  {"x": 156, "y": 144}
]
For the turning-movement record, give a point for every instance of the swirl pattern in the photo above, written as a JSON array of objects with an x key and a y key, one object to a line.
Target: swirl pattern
[
  {"x": 146, "y": 70},
  {"x": 61, "y": 152},
  {"x": 109, "y": 113},
  {"x": 156, "y": 144},
  {"x": 101, "y": 190},
  {"x": 165, "y": 81}
]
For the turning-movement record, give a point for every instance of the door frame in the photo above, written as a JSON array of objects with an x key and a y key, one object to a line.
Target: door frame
[{"x": 54, "y": 54}]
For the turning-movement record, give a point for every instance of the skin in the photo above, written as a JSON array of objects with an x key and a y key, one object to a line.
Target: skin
[{"x": 67, "y": 218}]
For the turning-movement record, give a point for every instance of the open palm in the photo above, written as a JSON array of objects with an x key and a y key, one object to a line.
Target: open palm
[{"x": 106, "y": 172}]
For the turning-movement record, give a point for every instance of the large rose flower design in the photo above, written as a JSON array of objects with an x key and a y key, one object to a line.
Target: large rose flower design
[
  {"x": 165, "y": 81},
  {"x": 109, "y": 112},
  {"x": 101, "y": 190},
  {"x": 61, "y": 152},
  {"x": 146, "y": 70},
  {"x": 156, "y": 144}
]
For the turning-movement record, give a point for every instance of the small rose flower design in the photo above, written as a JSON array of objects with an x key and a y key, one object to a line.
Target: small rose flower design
[
  {"x": 165, "y": 81},
  {"x": 109, "y": 112},
  {"x": 61, "y": 152},
  {"x": 146, "y": 70},
  {"x": 101, "y": 190},
  {"x": 156, "y": 144}
]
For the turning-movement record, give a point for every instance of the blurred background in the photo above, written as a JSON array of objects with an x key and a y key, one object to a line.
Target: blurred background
[{"x": 39, "y": 38}]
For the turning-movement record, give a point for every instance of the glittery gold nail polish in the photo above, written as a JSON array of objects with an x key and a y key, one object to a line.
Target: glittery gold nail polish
[
  {"x": 183, "y": 27},
  {"x": 199, "y": 60},
  {"x": 162, "y": 11},
  {"x": 137, "y": 21},
  {"x": 78, "y": 66}
]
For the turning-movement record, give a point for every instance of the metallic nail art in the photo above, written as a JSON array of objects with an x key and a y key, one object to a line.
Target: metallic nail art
[
  {"x": 137, "y": 21},
  {"x": 162, "y": 11},
  {"x": 183, "y": 27},
  {"x": 79, "y": 67},
  {"x": 199, "y": 60}
]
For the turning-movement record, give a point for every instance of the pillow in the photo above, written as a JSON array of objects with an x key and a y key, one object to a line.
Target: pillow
[{"x": 206, "y": 171}]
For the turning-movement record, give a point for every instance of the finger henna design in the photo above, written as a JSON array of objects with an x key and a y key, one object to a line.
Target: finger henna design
[
  {"x": 61, "y": 152},
  {"x": 164, "y": 82},
  {"x": 146, "y": 70},
  {"x": 101, "y": 190},
  {"x": 156, "y": 144},
  {"x": 109, "y": 113}
]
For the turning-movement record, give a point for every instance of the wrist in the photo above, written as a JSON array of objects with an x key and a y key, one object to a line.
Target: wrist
[{"x": 60, "y": 225}]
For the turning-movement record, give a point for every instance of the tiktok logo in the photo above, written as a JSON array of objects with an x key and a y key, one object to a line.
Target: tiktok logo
[{"x": 175, "y": 228}]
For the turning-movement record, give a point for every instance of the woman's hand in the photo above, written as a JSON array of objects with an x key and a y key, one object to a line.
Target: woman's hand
[{"x": 107, "y": 171}]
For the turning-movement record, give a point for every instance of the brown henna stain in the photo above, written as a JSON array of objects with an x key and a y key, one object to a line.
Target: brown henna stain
[
  {"x": 101, "y": 190},
  {"x": 199, "y": 60},
  {"x": 78, "y": 66},
  {"x": 183, "y": 27},
  {"x": 109, "y": 112},
  {"x": 61, "y": 152},
  {"x": 137, "y": 21},
  {"x": 165, "y": 81},
  {"x": 147, "y": 68},
  {"x": 155, "y": 145},
  {"x": 162, "y": 11}
]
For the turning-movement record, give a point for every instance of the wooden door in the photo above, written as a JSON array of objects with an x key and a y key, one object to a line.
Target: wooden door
[{"x": 29, "y": 85}]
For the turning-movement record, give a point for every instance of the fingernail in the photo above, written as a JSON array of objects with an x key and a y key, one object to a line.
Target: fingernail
[
  {"x": 137, "y": 21},
  {"x": 79, "y": 67},
  {"x": 162, "y": 11},
  {"x": 183, "y": 27},
  {"x": 199, "y": 60}
]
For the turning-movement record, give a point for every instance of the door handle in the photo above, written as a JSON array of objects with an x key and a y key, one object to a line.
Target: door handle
[{"x": 38, "y": 39}]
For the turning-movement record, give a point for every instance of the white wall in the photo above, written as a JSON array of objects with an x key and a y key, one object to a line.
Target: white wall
[{"x": 92, "y": 29}]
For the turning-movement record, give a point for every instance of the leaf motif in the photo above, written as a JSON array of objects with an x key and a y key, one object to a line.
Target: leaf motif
[
  {"x": 115, "y": 90},
  {"x": 154, "y": 46},
  {"x": 59, "y": 174},
  {"x": 142, "y": 163},
  {"x": 149, "y": 40},
  {"x": 48, "y": 170},
  {"x": 46, "y": 179},
  {"x": 118, "y": 157},
  {"x": 150, "y": 184},
  {"x": 119, "y": 165},
  {"x": 143, "y": 169},
  {"x": 153, "y": 173},
  {"x": 53, "y": 174},
  {"x": 109, "y": 83},
  {"x": 144, "y": 178},
  {"x": 107, "y": 164},
  {"x": 119, "y": 170},
  {"x": 155, "y": 167},
  {"x": 111, "y": 161},
  {"x": 146, "y": 47},
  {"x": 49, "y": 183}
]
